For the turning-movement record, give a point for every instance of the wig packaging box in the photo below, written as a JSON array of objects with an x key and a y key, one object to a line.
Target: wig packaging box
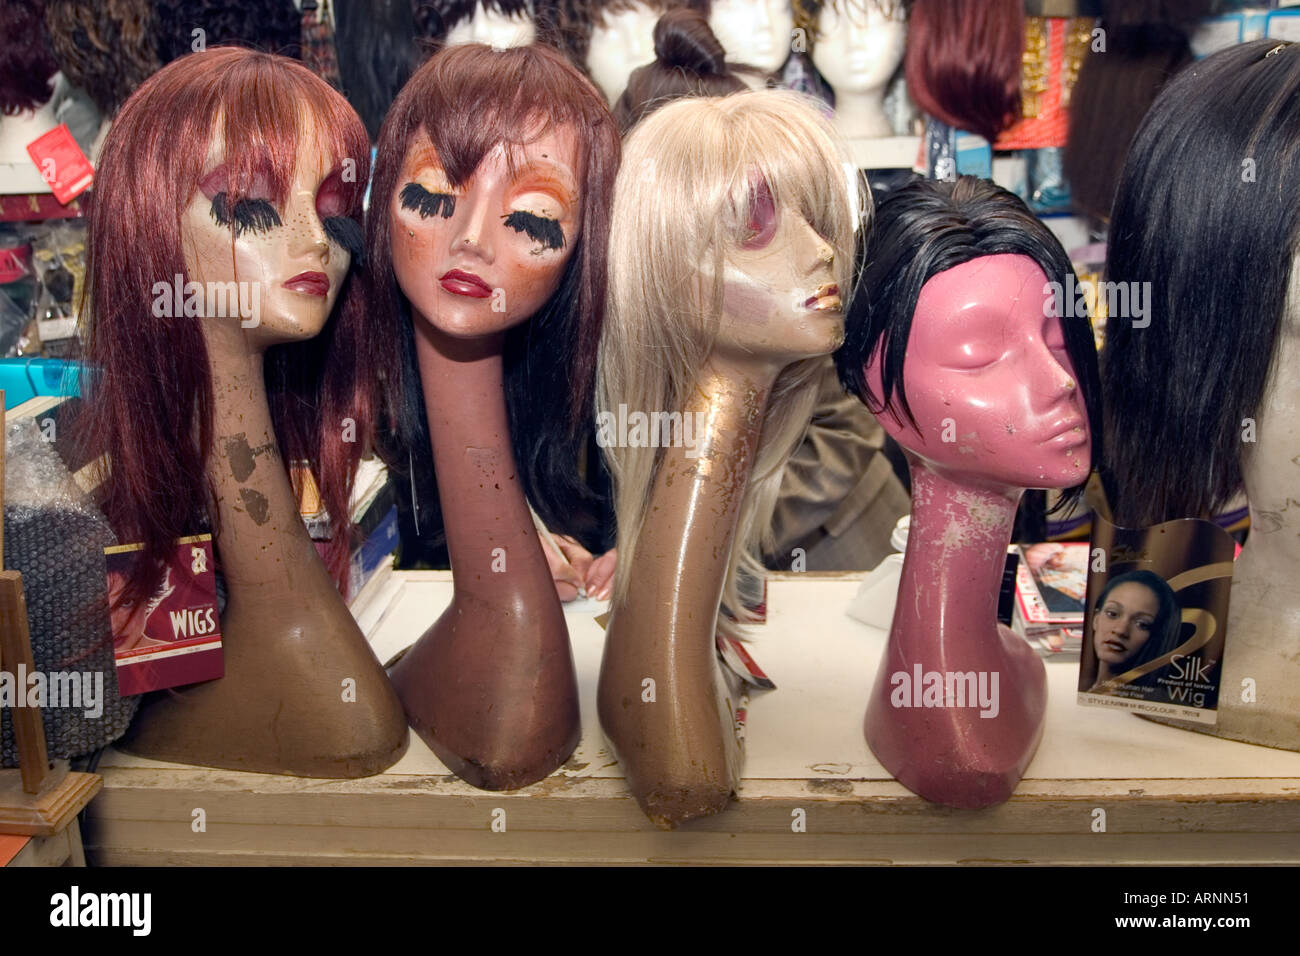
[{"x": 175, "y": 637}]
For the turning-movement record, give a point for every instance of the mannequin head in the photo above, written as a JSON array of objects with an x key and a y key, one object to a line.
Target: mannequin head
[
  {"x": 228, "y": 165},
  {"x": 26, "y": 65},
  {"x": 1217, "y": 245},
  {"x": 754, "y": 32},
  {"x": 688, "y": 61},
  {"x": 621, "y": 41},
  {"x": 498, "y": 166},
  {"x": 105, "y": 49},
  {"x": 499, "y": 24},
  {"x": 953, "y": 341},
  {"x": 717, "y": 255},
  {"x": 859, "y": 44}
]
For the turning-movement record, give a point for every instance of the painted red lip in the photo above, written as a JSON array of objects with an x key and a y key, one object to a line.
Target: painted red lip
[
  {"x": 311, "y": 283},
  {"x": 823, "y": 292},
  {"x": 458, "y": 282}
]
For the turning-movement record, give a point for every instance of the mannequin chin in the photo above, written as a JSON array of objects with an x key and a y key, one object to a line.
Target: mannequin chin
[
  {"x": 498, "y": 30},
  {"x": 623, "y": 42},
  {"x": 857, "y": 50},
  {"x": 754, "y": 32}
]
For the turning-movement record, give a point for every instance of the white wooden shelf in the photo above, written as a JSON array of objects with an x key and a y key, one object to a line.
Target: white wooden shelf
[{"x": 1169, "y": 796}]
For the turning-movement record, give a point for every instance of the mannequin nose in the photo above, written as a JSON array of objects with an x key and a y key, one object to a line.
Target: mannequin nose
[{"x": 471, "y": 235}]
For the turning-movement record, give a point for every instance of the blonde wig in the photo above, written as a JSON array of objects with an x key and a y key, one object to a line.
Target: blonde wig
[{"x": 680, "y": 201}]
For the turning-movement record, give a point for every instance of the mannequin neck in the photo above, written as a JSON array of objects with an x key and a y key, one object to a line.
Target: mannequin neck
[
  {"x": 485, "y": 515},
  {"x": 860, "y": 114},
  {"x": 956, "y": 554},
  {"x": 683, "y": 549},
  {"x": 261, "y": 538}
]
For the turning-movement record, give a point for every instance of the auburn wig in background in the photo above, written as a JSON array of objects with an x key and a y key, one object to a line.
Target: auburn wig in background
[
  {"x": 659, "y": 332},
  {"x": 928, "y": 227},
  {"x": 963, "y": 62},
  {"x": 1205, "y": 216},
  {"x": 26, "y": 63},
  {"x": 149, "y": 397},
  {"x": 469, "y": 99}
]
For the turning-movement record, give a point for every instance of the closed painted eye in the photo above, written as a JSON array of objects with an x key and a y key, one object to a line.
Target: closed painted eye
[
  {"x": 760, "y": 225},
  {"x": 428, "y": 204},
  {"x": 344, "y": 231},
  {"x": 247, "y": 215},
  {"x": 538, "y": 228}
]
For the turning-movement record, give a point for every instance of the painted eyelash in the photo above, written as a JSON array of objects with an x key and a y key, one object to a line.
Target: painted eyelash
[
  {"x": 418, "y": 199},
  {"x": 345, "y": 232},
  {"x": 257, "y": 215},
  {"x": 538, "y": 228}
]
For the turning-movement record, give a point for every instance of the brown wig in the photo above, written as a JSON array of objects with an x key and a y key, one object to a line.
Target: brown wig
[
  {"x": 107, "y": 49},
  {"x": 26, "y": 63},
  {"x": 1146, "y": 45},
  {"x": 689, "y": 61},
  {"x": 468, "y": 99},
  {"x": 149, "y": 398},
  {"x": 963, "y": 62}
]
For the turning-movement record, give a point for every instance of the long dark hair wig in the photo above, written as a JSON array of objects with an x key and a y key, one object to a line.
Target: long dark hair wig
[
  {"x": 378, "y": 50},
  {"x": 26, "y": 63},
  {"x": 149, "y": 398},
  {"x": 926, "y": 228},
  {"x": 1205, "y": 215},
  {"x": 963, "y": 62},
  {"x": 468, "y": 99}
]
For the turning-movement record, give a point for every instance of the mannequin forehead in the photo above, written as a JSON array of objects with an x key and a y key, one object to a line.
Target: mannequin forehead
[
  {"x": 862, "y": 12},
  {"x": 555, "y": 149},
  {"x": 313, "y": 162},
  {"x": 994, "y": 290}
]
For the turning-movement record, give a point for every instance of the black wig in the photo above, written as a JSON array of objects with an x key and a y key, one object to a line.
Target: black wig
[
  {"x": 1206, "y": 213},
  {"x": 273, "y": 26},
  {"x": 926, "y": 228},
  {"x": 377, "y": 47}
]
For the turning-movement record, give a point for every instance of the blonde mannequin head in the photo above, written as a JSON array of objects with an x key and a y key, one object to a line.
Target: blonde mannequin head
[{"x": 681, "y": 202}]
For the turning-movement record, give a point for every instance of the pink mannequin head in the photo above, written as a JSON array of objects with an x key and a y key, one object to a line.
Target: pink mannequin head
[{"x": 996, "y": 388}]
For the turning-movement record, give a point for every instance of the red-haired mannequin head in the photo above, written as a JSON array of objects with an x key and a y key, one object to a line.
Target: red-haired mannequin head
[{"x": 150, "y": 400}]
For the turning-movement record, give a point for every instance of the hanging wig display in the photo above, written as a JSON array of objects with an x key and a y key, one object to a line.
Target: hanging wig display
[
  {"x": 26, "y": 63},
  {"x": 963, "y": 62},
  {"x": 378, "y": 50},
  {"x": 1146, "y": 43},
  {"x": 273, "y": 26},
  {"x": 107, "y": 49}
]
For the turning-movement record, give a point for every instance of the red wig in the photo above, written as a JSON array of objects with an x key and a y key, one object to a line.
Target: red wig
[
  {"x": 468, "y": 99},
  {"x": 149, "y": 403},
  {"x": 963, "y": 62}
]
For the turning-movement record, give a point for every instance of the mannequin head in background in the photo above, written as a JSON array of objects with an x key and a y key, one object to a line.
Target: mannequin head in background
[
  {"x": 689, "y": 61},
  {"x": 1216, "y": 247},
  {"x": 754, "y": 32},
  {"x": 497, "y": 167},
  {"x": 254, "y": 170},
  {"x": 728, "y": 254},
  {"x": 955, "y": 343},
  {"x": 496, "y": 23},
  {"x": 857, "y": 47}
]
